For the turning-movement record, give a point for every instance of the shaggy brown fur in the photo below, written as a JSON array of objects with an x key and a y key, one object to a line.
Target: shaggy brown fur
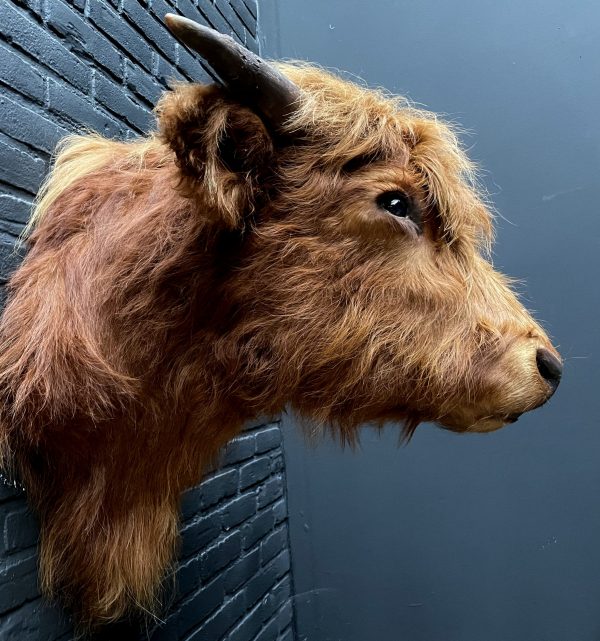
[{"x": 178, "y": 285}]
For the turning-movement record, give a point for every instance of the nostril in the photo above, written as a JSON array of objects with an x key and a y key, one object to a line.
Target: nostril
[{"x": 549, "y": 367}]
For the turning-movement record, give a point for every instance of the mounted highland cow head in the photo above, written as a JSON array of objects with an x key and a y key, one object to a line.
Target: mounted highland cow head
[{"x": 288, "y": 237}]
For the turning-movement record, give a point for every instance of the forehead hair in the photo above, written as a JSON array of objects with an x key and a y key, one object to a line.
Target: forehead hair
[{"x": 344, "y": 120}]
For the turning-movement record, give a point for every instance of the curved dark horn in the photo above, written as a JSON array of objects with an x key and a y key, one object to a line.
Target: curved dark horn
[{"x": 242, "y": 72}]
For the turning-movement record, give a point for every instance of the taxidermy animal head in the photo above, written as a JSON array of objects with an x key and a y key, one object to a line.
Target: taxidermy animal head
[{"x": 285, "y": 237}]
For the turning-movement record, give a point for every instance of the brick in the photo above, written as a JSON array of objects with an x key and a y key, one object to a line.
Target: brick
[
  {"x": 270, "y": 491},
  {"x": 166, "y": 73},
  {"x": 239, "y": 449},
  {"x": 268, "y": 439},
  {"x": 117, "y": 29},
  {"x": 288, "y": 635},
  {"x": 21, "y": 168},
  {"x": 277, "y": 463},
  {"x": 200, "y": 606},
  {"x": 19, "y": 529},
  {"x": 18, "y": 581},
  {"x": 233, "y": 20},
  {"x": 81, "y": 37},
  {"x": 8, "y": 491},
  {"x": 266, "y": 608},
  {"x": 257, "y": 528},
  {"x": 116, "y": 100},
  {"x": 18, "y": 74},
  {"x": 238, "y": 510},
  {"x": 248, "y": 627},
  {"x": 10, "y": 231},
  {"x": 279, "y": 595},
  {"x": 214, "y": 18},
  {"x": 280, "y": 511},
  {"x": 198, "y": 534},
  {"x": 142, "y": 84},
  {"x": 188, "y": 577},
  {"x": 218, "y": 625},
  {"x": 285, "y": 614},
  {"x": 209, "y": 493},
  {"x": 189, "y": 9},
  {"x": 190, "y": 503},
  {"x": 282, "y": 563},
  {"x": 245, "y": 567},
  {"x": 78, "y": 111},
  {"x": 260, "y": 422},
  {"x": 254, "y": 472},
  {"x": 33, "y": 5},
  {"x": 192, "y": 67},
  {"x": 218, "y": 487},
  {"x": 245, "y": 16},
  {"x": 28, "y": 126},
  {"x": 14, "y": 208},
  {"x": 18, "y": 29},
  {"x": 26, "y": 623},
  {"x": 160, "y": 8},
  {"x": 252, "y": 44},
  {"x": 220, "y": 555},
  {"x": 260, "y": 584},
  {"x": 153, "y": 31},
  {"x": 252, "y": 7},
  {"x": 269, "y": 632},
  {"x": 263, "y": 582},
  {"x": 10, "y": 257},
  {"x": 273, "y": 544}
]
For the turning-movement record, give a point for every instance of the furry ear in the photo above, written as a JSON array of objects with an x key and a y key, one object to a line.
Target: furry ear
[{"x": 222, "y": 149}]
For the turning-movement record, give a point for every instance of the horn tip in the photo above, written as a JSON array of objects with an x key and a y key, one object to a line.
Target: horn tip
[
  {"x": 173, "y": 21},
  {"x": 181, "y": 26}
]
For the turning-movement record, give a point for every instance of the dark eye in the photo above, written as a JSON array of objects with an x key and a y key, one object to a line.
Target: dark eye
[{"x": 400, "y": 205}]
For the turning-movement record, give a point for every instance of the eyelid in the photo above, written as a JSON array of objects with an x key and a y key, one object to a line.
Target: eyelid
[{"x": 359, "y": 162}]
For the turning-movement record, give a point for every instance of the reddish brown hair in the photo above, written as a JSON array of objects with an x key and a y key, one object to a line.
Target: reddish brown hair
[{"x": 178, "y": 285}]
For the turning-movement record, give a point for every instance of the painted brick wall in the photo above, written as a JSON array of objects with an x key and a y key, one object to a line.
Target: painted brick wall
[{"x": 70, "y": 65}]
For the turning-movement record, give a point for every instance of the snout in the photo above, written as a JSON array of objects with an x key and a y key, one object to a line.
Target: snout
[
  {"x": 523, "y": 379},
  {"x": 549, "y": 367},
  {"x": 529, "y": 382}
]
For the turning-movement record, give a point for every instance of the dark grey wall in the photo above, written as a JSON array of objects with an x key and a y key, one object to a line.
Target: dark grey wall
[
  {"x": 474, "y": 538},
  {"x": 102, "y": 64}
]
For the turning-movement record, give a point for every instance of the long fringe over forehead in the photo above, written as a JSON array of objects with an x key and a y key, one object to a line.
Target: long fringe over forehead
[{"x": 344, "y": 120}]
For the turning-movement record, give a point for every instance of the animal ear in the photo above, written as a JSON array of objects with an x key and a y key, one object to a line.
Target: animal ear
[{"x": 222, "y": 149}]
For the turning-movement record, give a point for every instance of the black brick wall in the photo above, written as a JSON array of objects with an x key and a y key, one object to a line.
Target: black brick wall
[{"x": 101, "y": 65}]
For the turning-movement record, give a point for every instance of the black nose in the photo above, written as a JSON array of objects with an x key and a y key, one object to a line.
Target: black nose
[{"x": 549, "y": 367}]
